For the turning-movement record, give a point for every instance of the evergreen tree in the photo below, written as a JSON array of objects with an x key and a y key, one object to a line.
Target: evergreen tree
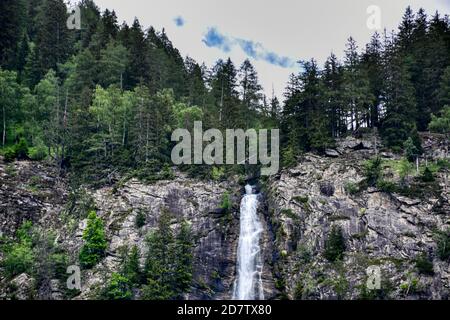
[
  {"x": 9, "y": 94},
  {"x": 335, "y": 245},
  {"x": 223, "y": 83},
  {"x": 112, "y": 65},
  {"x": 399, "y": 122},
  {"x": 12, "y": 25},
  {"x": 249, "y": 87},
  {"x": 95, "y": 243},
  {"x": 183, "y": 259},
  {"x": 159, "y": 262},
  {"x": 137, "y": 71},
  {"x": 357, "y": 97},
  {"x": 131, "y": 267},
  {"x": 53, "y": 40}
]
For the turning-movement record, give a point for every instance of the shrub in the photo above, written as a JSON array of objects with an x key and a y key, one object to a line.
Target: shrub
[
  {"x": 140, "y": 219},
  {"x": 226, "y": 202},
  {"x": 410, "y": 150},
  {"x": 22, "y": 149},
  {"x": 301, "y": 199},
  {"x": 289, "y": 213},
  {"x": 19, "y": 257},
  {"x": 387, "y": 186},
  {"x": 118, "y": 288},
  {"x": 424, "y": 265},
  {"x": 59, "y": 261},
  {"x": 95, "y": 242},
  {"x": 335, "y": 245},
  {"x": 373, "y": 171},
  {"x": 427, "y": 175},
  {"x": 442, "y": 239},
  {"x": 217, "y": 173},
  {"x": 38, "y": 153},
  {"x": 405, "y": 168},
  {"x": 9, "y": 154},
  {"x": 351, "y": 188}
]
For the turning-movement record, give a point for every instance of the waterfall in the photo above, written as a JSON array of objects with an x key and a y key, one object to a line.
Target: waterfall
[{"x": 248, "y": 284}]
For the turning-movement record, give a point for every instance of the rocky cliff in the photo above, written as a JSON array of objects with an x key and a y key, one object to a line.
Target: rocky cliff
[
  {"x": 299, "y": 207},
  {"x": 380, "y": 228}
]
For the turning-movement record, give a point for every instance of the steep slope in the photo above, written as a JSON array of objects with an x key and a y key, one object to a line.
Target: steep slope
[{"x": 381, "y": 229}]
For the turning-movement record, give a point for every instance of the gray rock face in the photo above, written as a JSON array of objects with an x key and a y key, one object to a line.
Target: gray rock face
[
  {"x": 299, "y": 207},
  {"x": 381, "y": 229}
]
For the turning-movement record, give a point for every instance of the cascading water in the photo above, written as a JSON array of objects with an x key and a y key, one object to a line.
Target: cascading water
[{"x": 248, "y": 284}]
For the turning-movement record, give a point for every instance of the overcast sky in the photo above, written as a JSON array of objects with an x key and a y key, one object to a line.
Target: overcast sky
[{"x": 272, "y": 34}]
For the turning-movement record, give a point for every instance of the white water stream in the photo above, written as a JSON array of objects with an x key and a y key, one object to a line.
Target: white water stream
[{"x": 248, "y": 284}]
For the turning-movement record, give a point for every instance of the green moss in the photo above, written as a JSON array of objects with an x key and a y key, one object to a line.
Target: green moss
[
  {"x": 351, "y": 188},
  {"x": 301, "y": 199},
  {"x": 289, "y": 213}
]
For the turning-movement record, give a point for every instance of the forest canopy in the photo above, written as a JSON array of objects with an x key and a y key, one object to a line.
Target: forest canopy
[{"x": 105, "y": 99}]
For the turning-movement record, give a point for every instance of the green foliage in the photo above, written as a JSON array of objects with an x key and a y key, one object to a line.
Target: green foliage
[
  {"x": 335, "y": 245},
  {"x": 21, "y": 149},
  {"x": 441, "y": 124},
  {"x": 95, "y": 242},
  {"x": 183, "y": 259},
  {"x": 226, "y": 204},
  {"x": 405, "y": 168},
  {"x": 140, "y": 219},
  {"x": 410, "y": 150},
  {"x": 38, "y": 153},
  {"x": 301, "y": 199},
  {"x": 131, "y": 267},
  {"x": 118, "y": 288},
  {"x": 217, "y": 173},
  {"x": 9, "y": 154},
  {"x": 442, "y": 239},
  {"x": 424, "y": 265},
  {"x": 373, "y": 170},
  {"x": 427, "y": 175},
  {"x": 387, "y": 186},
  {"x": 351, "y": 188},
  {"x": 19, "y": 256},
  {"x": 168, "y": 267}
]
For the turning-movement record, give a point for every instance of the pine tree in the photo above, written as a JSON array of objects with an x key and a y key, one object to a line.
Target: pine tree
[
  {"x": 406, "y": 30},
  {"x": 399, "y": 122},
  {"x": 332, "y": 81},
  {"x": 53, "y": 40},
  {"x": 335, "y": 245},
  {"x": 131, "y": 267},
  {"x": 95, "y": 242},
  {"x": 223, "y": 83},
  {"x": 183, "y": 259},
  {"x": 158, "y": 266},
  {"x": 137, "y": 71},
  {"x": 249, "y": 86},
  {"x": 9, "y": 94},
  {"x": 112, "y": 64},
  {"x": 196, "y": 83},
  {"x": 357, "y": 97},
  {"x": 12, "y": 26},
  {"x": 372, "y": 61}
]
